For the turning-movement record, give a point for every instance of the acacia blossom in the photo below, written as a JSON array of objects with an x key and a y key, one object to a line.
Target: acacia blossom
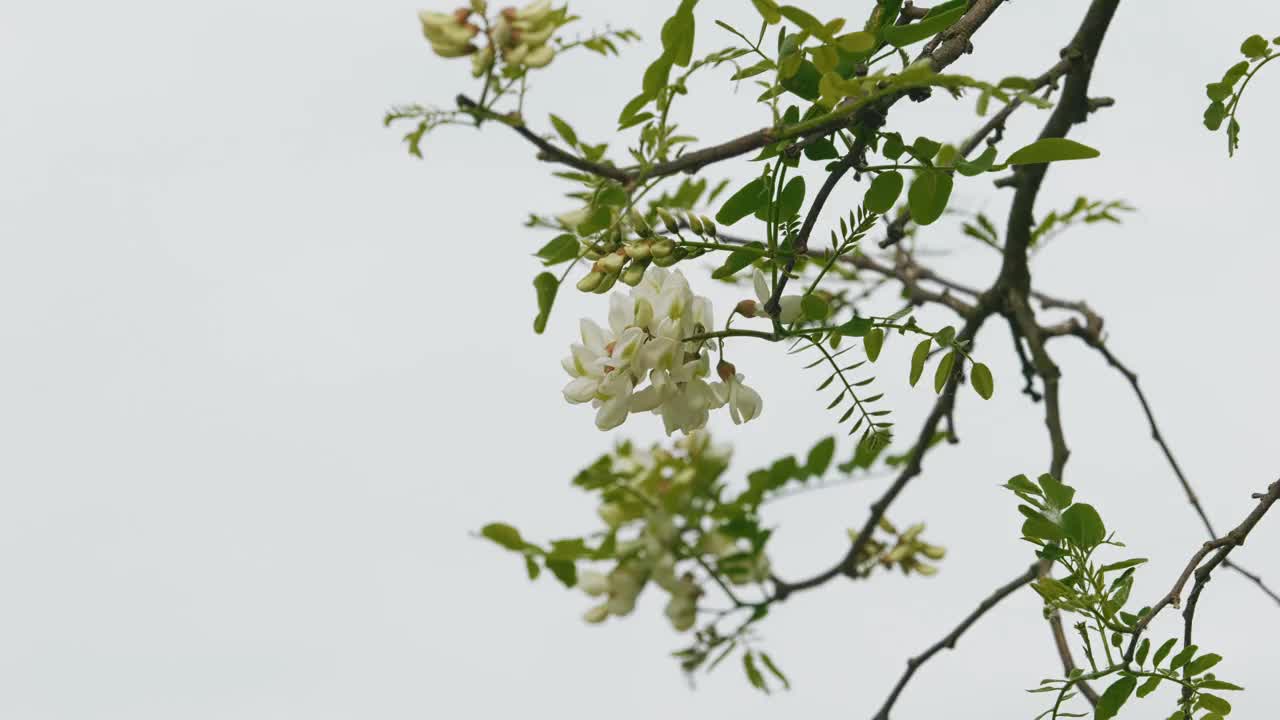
[{"x": 646, "y": 341}]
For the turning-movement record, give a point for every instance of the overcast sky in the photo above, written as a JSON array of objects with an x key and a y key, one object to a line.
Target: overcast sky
[{"x": 262, "y": 374}]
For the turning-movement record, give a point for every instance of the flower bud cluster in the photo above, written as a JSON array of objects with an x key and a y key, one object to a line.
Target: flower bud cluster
[
  {"x": 908, "y": 552},
  {"x": 519, "y": 36}
]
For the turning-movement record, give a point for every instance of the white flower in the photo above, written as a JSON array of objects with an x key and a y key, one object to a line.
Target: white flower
[
  {"x": 789, "y": 309},
  {"x": 745, "y": 404}
]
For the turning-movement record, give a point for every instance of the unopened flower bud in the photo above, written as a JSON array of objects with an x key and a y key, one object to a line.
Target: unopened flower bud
[
  {"x": 726, "y": 370},
  {"x": 668, "y": 220},
  {"x": 591, "y": 281},
  {"x": 639, "y": 224},
  {"x": 606, "y": 284},
  {"x": 662, "y": 247},
  {"x": 747, "y": 308},
  {"x": 913, "y": 532},
  {"x": 593, "y": 583},
  {"x": 708, "y": 225},
  {"x": 638, "y": 250},
  {"x": 634, "y": 273},
  {"x": 597, "y": 614},
  {"x": 933, "y": 552},
  {"x": 613, "y": 262},
  {"x": 694, "y": 223}
]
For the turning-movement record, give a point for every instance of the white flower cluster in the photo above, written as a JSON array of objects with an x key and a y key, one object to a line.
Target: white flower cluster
[{"x": 646, "y": 340}]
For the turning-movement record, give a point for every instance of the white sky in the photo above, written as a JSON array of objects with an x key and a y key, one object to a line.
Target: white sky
[{"x": 262, "y": 374}]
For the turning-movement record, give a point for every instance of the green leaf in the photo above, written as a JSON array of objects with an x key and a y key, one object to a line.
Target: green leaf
[
  {"x": 943, "y": 372},
  {"x": 1143, "y": 649},
  {"x": 564, "y": 570},
  {"x": 873, "y": 342},
  {"x": 855, "y": 327},
  {"x": 1182, "y": 657},
  {"x": 923, "y": 149},
  {"x": 1123, "y": 564},
  {"x": 677, "y": 34},
  {"x": 819, "y": 458},
  {"x": 918, "y": 356},
  {"x": 883, "y": 192},
  {"x": 768, "y": 10},
  {"x": 1163, "y": 651},
  {"x": 928, "y": 196},
  {"x": 599, "y": 219},
  {"x": 1149, "y": 686},
  {"x": 1083, "y": 525},
  {"x": 1213, "y": 703},
  {"x": 1217, "y": 91},
  {"x": 1051, "y": 150},
  {"x": 561, "y": 248},
  {"x": 768, "y": 662},
  {"x": 945, "y": 336},
  {"x": 505, "y": 535},
  {"x": 564, "y": 130},
  {"x": 1114, "y": 697},
  {"x": 1042, "y": 528},
  {"x": 1058, "y": 494},
  {"x": 814, "y": 307},
  {"x": 1214, "y": 115},
  {"x": 545, "y": 285},
  {"x": 821, "y": 150},
  {"x": 739, "y": 259},
  {"x": 805, "y": 21},
  {"x": 748, "y": 199},
  {"x": 980, "y": 378},
  {"x": 1020, "y": 483},
  {"x": 1219, "y": 685},
  {"x": 791, "y": 199},
  {"x": 978, "y": 165},
  {"x": 1202, "y": 663},
  {"x": 932, "y": 24},
  {"x": 857, "y": 42},
  {"x": 1254, "y": 46},
  {"x": 753, "y": 673}
]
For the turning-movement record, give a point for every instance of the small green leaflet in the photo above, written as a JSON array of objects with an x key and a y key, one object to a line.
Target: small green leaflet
[
  {"x": 745, "y": 201},
  {"x": 561, "y": 248},
  {"x": 928, "y": 196},
  {"x": 939, "y": 18},
  {"x": 546, "y": 285},
  {"x": 883, "y": 192},
  {"x": 980, "y": 378},
  {"x": 1051, "y": 150},
  {"x": 1114, "y": 698}
]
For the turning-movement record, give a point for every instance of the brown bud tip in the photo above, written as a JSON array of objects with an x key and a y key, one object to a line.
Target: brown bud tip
[
  {"x": 461, "y": 15},
  {"x": 747, "y": 308},
  {"x": 726, "y": 370}
]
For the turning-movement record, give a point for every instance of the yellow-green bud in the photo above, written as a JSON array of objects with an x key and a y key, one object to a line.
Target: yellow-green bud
[
  {"x": 662, "y": 247},
  {"x": 668, "y": 220},
  {"x": 695, "y": 224},
  {"x": 607, "y": 284},
  {"x": 639, "y": 225},
  {"x": 613, "y": 262},
  {"x": 708, "y": 225},
  {"x": 638, "y": 250},
  {"x": 933, "y": 552},
  {"x": 591, "y": 281},
  {"x": 634, "y": 273}
]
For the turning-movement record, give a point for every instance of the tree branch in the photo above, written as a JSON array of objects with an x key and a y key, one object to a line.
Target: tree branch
[{"x": 948, "y": 641}]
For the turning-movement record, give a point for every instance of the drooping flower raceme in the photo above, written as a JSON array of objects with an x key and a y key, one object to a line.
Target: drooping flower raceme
[{"x": 647, "y": 341}]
